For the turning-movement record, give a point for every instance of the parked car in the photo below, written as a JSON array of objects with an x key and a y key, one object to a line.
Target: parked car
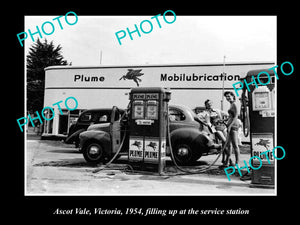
[
  {"x": 189, "y": 137},
  {"x": 87, "y": 118}
]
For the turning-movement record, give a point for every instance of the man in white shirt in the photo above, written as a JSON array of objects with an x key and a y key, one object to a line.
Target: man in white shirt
[{"x": 214, "y": 118}]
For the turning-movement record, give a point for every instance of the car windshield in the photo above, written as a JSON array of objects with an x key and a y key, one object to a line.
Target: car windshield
[{"x": 102, "y": 116}]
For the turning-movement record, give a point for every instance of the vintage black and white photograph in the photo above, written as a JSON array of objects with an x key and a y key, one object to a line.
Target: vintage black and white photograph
[{"x": 151, "y": 105}]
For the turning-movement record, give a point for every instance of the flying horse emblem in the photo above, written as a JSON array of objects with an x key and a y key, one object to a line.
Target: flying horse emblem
[
  {"x": 133, "y": 75},
  {"x": 152, "y": 145},
  {"x": 138, "y": 144},
  {"x": 264, "y": 143}
]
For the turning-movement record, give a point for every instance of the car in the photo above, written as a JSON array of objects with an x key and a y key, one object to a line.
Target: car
[
  {"x": 190, "y": 138},
  {"x": 86, "y": 118}
]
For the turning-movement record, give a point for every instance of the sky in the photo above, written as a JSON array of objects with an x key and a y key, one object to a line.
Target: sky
[{"x": 190, "y": 39}]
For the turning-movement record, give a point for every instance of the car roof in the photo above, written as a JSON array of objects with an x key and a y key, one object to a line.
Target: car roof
[
  {"x": 100, "y": 110},
  {"x": 182, "y": 107},
  {"x": 177, "y": 106}
]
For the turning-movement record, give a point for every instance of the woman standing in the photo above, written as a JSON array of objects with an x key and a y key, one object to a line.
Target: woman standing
[{"x": 233, "y": 126}]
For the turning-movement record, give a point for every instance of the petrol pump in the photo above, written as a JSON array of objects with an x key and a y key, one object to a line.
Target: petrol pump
[
  {"x": 148, "y": 128},
  {"x": 261, "y": 110}
]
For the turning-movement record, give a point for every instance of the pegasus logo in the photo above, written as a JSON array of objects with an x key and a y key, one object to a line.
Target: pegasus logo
[
  {"x": 138, "y": 144},
  {"x": 264, "y": 143},
  {"x": 133, "y": 75},
  {"x": 152, "y": 145}
]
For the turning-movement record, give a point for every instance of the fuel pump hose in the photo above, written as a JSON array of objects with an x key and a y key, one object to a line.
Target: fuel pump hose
[
  {"x": 119, "y": 149},
  {"x": 171, "y": 150},
  {"x": 200, "y": 170}
]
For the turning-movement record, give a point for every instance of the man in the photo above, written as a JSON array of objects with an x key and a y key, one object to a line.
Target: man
[{"x": 214, "y": 119}]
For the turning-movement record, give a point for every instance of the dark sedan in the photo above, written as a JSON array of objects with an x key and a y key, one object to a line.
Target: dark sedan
[
  {"x": 87, "y": 118},
  {"x": 190, "y": 138}
]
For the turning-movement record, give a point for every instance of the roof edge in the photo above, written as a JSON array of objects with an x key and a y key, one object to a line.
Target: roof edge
[{"x": 161, "y": 65}]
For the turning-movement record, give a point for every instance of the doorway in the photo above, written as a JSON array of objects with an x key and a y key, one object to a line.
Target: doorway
[{"x": 63, "y": 124}]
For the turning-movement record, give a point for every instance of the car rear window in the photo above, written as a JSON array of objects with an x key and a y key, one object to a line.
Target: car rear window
[{"x": 176, "y": 115}]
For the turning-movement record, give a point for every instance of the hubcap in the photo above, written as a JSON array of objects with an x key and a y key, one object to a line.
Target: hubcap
[
  {"x": 183, "y": 151},
  {"x": 94, "y": 150}
]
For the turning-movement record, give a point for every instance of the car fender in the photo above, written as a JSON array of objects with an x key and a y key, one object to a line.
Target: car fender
[
  {"x": 101, "y": 137},
  {"x": 197, "y": 139},
  {"x": 74, "y": 136}
]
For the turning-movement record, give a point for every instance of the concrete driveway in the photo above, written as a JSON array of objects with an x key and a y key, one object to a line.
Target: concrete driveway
[{"x": 55, "y": 168}]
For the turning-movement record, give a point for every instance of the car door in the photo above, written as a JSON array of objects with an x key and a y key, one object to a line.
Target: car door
[{"x": 84, "y": 120}]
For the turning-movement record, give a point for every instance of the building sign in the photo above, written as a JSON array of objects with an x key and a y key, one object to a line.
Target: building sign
[
  {"x": 172, "y": 76},
  {"x": 105, "y": 86},
  {"x": 83, "y": 78},
  {"x": 195, "y": 77}
]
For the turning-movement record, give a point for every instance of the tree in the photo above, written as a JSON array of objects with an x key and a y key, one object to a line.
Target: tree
[{"x": 39, "y": 57}]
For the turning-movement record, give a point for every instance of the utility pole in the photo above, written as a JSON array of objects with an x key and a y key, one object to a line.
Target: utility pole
[
  {"x": 100, "y": 57},
  {"x": 222, "y": 101}
]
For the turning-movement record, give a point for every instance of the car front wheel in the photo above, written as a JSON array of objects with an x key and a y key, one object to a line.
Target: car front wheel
[{"x": 93, "y": 153}]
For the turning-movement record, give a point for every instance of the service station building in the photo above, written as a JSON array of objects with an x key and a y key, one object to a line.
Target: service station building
[{"x": 106, "y": 86}]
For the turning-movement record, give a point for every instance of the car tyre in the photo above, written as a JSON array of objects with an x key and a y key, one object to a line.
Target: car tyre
[
  {"x": 93, "y": 153},
  {"x": 183, "y": 153}
]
